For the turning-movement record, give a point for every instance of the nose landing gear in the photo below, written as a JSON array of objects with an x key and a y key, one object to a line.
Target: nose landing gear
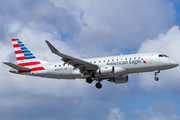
[
  {"x": 156, "y": 78},
  {"x": 155, "y": 73}
]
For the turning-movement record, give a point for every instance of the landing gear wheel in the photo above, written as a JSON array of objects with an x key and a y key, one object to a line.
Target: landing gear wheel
[
  {"x": 155, "y": 73},
  {"x": 89, "y": 80},
  {"x": 156, "y": 78},
  {"x": 99, "y": 85}
]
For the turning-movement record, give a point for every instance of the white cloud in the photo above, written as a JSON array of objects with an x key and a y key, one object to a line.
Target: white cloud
[
  {"x": 100, "y": 31},
  {"x": 158, "y": 111},
  {"x": 116, "y": 114},
  {"x": 122, "y": 24}
]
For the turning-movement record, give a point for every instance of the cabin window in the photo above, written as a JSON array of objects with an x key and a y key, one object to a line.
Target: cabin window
[
  {"x": 108, "y": 60},
  {"x": 134, "y": 57},
  {"x": 55, "y": 65},
  {"x": 121, "y": 59},
  {"x": 139, "y": 57},
  {"x": 59, "y": 65},
  {"x": 99, "y": 61},
  {"x": 112, "y": 59},
  {"x": 116, "y": 59},
  {"x": 94, "y": 61},
  {"x": 160, "y": 55},
  {"x": 104, "y": 61},
  {"x": 125, "y": 58},
  {"x": 129, "y": 58}
]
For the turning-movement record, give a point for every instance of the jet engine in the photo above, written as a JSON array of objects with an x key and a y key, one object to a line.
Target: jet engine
[
  {"x": 107, "y": 70},
  {"x": 119, "y": 80}
]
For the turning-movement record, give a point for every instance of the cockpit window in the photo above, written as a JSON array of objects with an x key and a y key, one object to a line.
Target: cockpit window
[
  {"x": 160, "y": 55},
  {"x": 165, "y": 56}
]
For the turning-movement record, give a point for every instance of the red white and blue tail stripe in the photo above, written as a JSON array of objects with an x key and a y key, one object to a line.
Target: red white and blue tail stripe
[{"x": 25, "y": 57}]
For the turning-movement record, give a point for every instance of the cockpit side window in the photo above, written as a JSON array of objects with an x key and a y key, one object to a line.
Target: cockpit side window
[
  {"x": 160, "y": 55},
  {"x": 165, "y": 55}
]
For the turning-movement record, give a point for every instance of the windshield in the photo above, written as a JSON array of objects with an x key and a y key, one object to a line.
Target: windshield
[{"x": 165, "y": 56}]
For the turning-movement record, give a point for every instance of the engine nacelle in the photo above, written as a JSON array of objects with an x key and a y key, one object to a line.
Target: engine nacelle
[
  {"x": 119, "y": 80},
  {"x": 119, "y": 70},
  {"x": 107, "y": 70}
]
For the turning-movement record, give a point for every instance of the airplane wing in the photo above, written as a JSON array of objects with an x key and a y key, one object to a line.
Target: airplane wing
[
  {"x": 17, "y": 67},
  {"x": 76, "y": 63}
]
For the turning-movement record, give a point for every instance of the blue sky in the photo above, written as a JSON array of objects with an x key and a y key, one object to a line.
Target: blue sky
[
  {"x": 177, "y": 8},
  {"x": 86, "y": 29}
]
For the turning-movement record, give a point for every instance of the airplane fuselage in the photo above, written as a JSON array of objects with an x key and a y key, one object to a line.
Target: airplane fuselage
[{"x": 134, "y": 63}]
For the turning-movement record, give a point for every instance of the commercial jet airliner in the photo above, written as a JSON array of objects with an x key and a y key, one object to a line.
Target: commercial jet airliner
[{"x": 114, "y": 68}]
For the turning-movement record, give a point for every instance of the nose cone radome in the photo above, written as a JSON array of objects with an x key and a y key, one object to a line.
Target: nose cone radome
[{"x": 174, "y": 63}]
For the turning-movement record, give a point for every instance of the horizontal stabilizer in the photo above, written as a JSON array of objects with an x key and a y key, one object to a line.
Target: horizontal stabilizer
[{"x": 17, "y": 67}]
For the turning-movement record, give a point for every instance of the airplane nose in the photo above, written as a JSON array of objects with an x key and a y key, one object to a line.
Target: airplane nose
[{"x": 174, "y": 63}]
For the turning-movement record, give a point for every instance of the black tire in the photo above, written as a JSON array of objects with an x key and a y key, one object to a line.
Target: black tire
[
  {"x": 99, "y": 85},
  {"x": 89, "y": 80},
  {"x": 156, "y": 78}
]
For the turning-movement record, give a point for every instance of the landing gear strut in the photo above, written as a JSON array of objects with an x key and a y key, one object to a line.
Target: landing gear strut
[
  {"x": 155, "y": 73},
  {"x": 99, "y": 85}
]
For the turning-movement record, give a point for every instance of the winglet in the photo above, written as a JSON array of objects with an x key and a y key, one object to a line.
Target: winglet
[
  {"x": 17, "y": 67},
  {"x": 53, "y": 49}
]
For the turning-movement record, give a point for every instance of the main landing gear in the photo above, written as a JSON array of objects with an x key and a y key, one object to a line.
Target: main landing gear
[
  {"x": 155, "y": 73},
  {"x": 98, "y": 84},
  {"x": 89, "y": 80}
]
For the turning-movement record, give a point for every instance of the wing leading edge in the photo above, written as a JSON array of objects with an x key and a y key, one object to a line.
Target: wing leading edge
[{"x": 76, "y": 63}]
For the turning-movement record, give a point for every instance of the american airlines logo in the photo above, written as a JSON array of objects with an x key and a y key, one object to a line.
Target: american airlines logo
[{"x": 143, "y": 60}]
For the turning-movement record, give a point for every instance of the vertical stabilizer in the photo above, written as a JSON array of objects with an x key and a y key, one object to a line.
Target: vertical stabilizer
[{"x": 25, "y": 57}]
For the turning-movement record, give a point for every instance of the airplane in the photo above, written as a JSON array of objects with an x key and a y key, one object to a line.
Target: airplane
[{"x": 113, "y": 68}]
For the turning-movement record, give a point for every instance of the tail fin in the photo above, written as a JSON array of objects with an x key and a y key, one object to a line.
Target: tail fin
[{"x": 25, "y": 57}]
